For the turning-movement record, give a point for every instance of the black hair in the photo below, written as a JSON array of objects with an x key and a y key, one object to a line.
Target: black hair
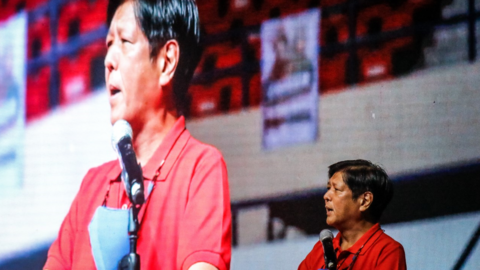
[
  {"x": 362, "y": 176},
  {"x": 163, "y": 20}
]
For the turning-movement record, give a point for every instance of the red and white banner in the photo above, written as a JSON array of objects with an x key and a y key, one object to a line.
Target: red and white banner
[{"x": 290, "y": 79}]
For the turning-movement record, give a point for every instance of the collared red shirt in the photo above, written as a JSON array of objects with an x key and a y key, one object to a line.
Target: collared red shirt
[
  {"x": 376, "y": 250},
  {"x": 186, "y": 218}
]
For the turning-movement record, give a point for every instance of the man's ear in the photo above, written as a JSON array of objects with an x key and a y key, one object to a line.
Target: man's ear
[
  {"x": 366, "y": 200},
  {"x": 168, "y": 61}
]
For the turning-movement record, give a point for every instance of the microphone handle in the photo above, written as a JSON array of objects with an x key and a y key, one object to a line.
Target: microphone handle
[
  {"x": 132, "y": 172},
  {"x": 329, "y": 254}
]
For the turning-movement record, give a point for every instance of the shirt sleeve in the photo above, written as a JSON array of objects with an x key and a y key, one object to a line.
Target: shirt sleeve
[
  {"x": 392, "y": 257},
  {"x": 313, "y": 260},
  {"x": 205, "y": 230},
  {"x": 303, "y": 265},
  {"x": 61, "y": 251},
  {"x": 60, "y": 254}
]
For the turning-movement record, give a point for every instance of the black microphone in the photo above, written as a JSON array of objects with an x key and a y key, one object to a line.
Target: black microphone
[
  {"x": 326, "y": 236},
  {"x": 131, "y": 170}
]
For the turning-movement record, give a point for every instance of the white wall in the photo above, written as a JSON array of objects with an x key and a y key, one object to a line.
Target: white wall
[
  {"x": 425, "y": 120},
  {"x": 59, "y": 149}
]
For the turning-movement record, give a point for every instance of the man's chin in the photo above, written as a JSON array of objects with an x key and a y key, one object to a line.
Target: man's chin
[
  {"x": 114, "y": 118},
  {"x": 330, "y": 222}
]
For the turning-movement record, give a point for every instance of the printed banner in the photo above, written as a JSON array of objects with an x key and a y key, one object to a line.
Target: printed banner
[
  {"x": 290, "y": 79},
  {"x": 12, "y": 105}
]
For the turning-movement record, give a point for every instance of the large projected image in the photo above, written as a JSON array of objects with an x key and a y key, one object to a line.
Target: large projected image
[{"x": 12, "y": 107}]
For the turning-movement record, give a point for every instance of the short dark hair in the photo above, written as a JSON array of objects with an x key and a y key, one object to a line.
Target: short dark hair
[
  {"x": 362, "y": 176},
  {"x": 163, "y": 20}
]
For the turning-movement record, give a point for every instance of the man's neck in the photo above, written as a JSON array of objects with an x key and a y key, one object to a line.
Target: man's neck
[
  {"x": 350, "y": 236},
  {"x": 148, "y": 137}
]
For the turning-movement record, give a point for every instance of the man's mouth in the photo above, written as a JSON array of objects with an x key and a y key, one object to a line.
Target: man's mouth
[
  {"x": 114, "y": 91},
  {"x": 329, "y": 210}
]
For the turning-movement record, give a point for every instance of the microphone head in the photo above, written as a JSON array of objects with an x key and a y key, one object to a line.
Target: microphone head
[
  {"x": 120, "y": 129},
  {"x": 326, "y": 234}
]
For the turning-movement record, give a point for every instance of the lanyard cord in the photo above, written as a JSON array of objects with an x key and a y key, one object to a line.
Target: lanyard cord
[
  {"x": 154, "y": 179},
  {"x": 104, "y": 203},
  {"x": 355, "y": 256}
]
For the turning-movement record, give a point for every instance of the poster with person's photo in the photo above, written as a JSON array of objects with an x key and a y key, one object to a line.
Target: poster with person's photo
[
  {"x": 290, "y": 80},
  {"x": 12, "y": 105}
]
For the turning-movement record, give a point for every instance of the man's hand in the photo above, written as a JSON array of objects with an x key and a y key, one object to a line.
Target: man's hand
[{"x": 202, "y": 266}]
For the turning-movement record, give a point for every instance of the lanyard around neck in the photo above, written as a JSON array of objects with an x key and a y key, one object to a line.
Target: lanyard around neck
[{"x": 355, "y": 256}]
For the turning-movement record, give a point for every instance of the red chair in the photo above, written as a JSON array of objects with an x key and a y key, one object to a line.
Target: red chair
[
  {"x": 372, "y": 18},
  {"x": 37, "y": 96},
  {"x": 219, "y": 56},
  {"x": 71, "y": 20},
  {"x": 81, "y": 73},
  {"x": 230, "y": 91},
  {"x": 38, "y": 41},
  {"x": 96, "y": 15},
  {"x": 204, "y": 101},
  {"x": 375, "y": 64},
  {"x": 252, "y": 16},
  {"x": 222, "y": 96},
  {"x": 334, "y": 29},
  {"x": 94, "y": 57},
  {"x": 332, "y": 69},
  {"x": 332, "y": 72},
  {"x": 33, "y": 4},
  {"x": 227, "y": 56},
  {"x": 255, "y": 43},
  {"x": 375, "y": 58},
  {"x": 73, "y": 79},
  {"x": 210, "y": 19}
]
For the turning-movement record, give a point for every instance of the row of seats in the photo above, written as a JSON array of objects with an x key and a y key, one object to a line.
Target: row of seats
[
  {"x": 76, "y": 17},
  {"x": 372, "y": 62},
  {"x": 78, "y": 75},
  {"x": 369, "y": 65},
  {"x": 222, "y": 96},
  {"x": 219, "y": 16},
  {"x": 80, "y": 16}
]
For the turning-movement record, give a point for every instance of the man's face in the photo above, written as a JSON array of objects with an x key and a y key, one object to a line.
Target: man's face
[
  {"x": 132, "y": 78},
  {"x": 342, "y": 210}
]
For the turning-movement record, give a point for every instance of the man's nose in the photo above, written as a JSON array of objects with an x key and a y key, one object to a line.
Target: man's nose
[
  {"x": 326, "y": 196},
  {"x": 111, "y": 60}
]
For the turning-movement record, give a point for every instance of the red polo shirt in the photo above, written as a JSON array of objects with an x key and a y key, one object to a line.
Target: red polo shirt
[
  {"x": 185, "y": 220},
  {"x": 377, "y": 251}
]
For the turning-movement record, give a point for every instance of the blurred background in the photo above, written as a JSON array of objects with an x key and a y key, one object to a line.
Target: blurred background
[{"x": 395, "y": 82}]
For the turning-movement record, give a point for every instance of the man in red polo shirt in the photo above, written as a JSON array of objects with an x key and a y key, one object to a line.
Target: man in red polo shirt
[
  {"x": 185, "y": 223},
  {"x": 357, "y": 193}
]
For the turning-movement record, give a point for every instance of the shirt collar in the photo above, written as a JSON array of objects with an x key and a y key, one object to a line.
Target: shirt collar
[
  {"x": 170, "y": 147},
  {"x": 366, "y": 240}
]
